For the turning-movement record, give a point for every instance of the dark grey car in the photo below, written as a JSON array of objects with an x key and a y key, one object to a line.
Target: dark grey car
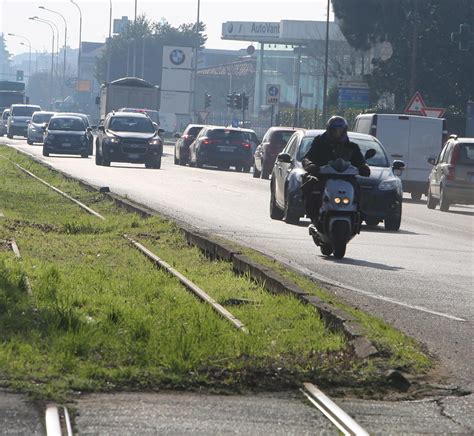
[
  {"x": 451, "y": 180},
  {"x": 380, "y": 194}
]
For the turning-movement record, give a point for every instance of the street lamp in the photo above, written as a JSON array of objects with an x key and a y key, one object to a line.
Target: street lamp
[
  {"x": 109, "y": 40},
  {"x": 29, "y": 46},
  {"x": 52, "y": 54},
  {"x": 65, "y": 43},
  {"x": 80, "y": 42},
  {"x": 57, "y": 38},
  {"x": 193, "y": 95}
]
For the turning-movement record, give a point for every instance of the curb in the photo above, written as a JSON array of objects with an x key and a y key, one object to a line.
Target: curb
[{"x": 334, "y": 318}]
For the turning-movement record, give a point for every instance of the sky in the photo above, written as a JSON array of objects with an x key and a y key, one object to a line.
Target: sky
[{"x": 14, "y": 17}]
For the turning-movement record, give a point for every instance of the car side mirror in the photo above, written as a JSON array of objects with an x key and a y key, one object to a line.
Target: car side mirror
[
  {"x": 369, "y": 154},
  {"x": 160, "y": 131},
  {"x": 284, "y": 158},
  {"x": 398, "y": 166},
  {"x": 431, "y": 160},
  {"x": 101, "y": 128},
  {"x": 89, "y": 129},
  {"x": 177, "y": 136}
]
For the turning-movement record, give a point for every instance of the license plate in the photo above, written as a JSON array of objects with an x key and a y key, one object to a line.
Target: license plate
[
  {"x": 66, "y": 144},
  {"x": 133, "y": 156},
  {"x": 226, "y": 149}
]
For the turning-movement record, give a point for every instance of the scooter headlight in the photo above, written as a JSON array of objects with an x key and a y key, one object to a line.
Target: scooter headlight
[
  {"x": 346, "y": 200},
  {"x": 337, "y": 200}
]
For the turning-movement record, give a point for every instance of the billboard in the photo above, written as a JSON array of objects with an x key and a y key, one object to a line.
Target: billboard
[{"x": 251, "y": 31}]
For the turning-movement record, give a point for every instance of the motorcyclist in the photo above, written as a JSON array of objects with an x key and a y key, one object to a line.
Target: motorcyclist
[{"x": 331, "y": 145}]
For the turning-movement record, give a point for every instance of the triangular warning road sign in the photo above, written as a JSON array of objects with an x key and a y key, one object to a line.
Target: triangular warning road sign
[
  {"x": 416, "y": 104},
  {"x": 434, "y": 112},
  {"x": 203, "y": 116}
]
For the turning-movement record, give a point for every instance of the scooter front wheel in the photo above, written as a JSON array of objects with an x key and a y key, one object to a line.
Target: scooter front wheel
[
  {"x": 326, "y": 250},
  {"x": 340, "y": 236},
  {"x": 339, "y": 249}
]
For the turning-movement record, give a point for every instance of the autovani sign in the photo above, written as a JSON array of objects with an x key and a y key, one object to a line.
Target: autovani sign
[{"x": 251, "y": 31}]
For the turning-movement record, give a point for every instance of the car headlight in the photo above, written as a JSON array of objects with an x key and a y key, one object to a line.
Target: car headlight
[
  {"x": 155, "y": 141},
  {"x": 390, "y": 185},
  {"x": 113, "y": 140},
  {"x": 12, "y": 121}
]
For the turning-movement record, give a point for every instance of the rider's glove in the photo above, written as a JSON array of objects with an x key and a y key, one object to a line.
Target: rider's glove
[{"x": 364, "y": 170}]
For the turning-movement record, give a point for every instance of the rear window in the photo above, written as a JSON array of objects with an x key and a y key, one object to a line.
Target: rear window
[
  {"x": 24, "y": 111},
  {"x": 285, "y": 136},
  {"x": 250, "y": 136},
  {"x": 466, "y": 154},
  {"x": 67, "y": 124},
  {"x": 41, "y": 118},
  {"x": 226, "y": 135},
  {"x": 194, "y": 131}
]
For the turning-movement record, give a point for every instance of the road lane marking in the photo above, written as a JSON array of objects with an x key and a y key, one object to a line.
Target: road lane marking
[
  {"x": 332, "y": 411},
  {"x": 331, "y": 282},
  {"x": 439, "y": 225}
]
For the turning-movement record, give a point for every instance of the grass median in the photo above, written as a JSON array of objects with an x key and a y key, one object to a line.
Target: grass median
[{"x": 101, "y": 317}]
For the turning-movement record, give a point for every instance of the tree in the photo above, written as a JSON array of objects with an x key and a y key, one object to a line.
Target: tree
[
  {"x": 143, "y": 42},
  {"x": 441, "y": 72},
  {"x": 5, "y": 59}
]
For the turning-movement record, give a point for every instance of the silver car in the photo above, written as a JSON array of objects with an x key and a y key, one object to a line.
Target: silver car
[
  {"x": 36, "y": 126},
  {"x": 20, "y": 114},
  {"x": 3, "y": 122}
]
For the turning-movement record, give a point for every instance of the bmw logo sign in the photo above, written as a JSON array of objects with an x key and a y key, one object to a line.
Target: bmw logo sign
[{"x": 177, "y": 57}]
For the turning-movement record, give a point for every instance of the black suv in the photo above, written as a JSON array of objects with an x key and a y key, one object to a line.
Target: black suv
[{"x": 129, "y": 137}]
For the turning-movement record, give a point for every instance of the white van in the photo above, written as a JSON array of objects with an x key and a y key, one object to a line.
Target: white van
[{"x": 410, "y": 138}]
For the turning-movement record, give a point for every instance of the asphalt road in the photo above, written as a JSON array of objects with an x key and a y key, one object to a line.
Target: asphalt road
[{"x": 420, "y": 279}]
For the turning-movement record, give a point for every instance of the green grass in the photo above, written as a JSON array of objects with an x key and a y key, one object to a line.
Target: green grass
[{"x": 103, "y": 318}]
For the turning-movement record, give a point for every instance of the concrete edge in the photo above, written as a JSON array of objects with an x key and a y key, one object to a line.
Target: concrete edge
[{"x": 334, "y": 318}]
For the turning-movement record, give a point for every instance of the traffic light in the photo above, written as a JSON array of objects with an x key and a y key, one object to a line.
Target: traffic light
[
  {"x": 238, "y": 101},
  {"x": 230, "y": 100},
  {"x": 207, "y": 100},
  {"x": 19, "y": 75},
  {"x": 245, "y": 102},
  {"x": 463, "y": 38}
]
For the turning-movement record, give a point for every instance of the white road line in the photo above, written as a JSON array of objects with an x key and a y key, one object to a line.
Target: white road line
[
  {"x": 332, "y": 411},
  {"x": 331, "y": 282},
  {"x": 53, "y": 423},
  {"x": 450, "y": 229}
]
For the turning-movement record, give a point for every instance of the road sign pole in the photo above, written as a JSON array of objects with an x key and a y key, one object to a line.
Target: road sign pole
[
  {"x": 243, "y": 109},
  {"x": 272, "y": 115}
]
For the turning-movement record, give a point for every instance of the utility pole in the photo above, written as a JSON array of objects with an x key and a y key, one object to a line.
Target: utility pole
[
  {"x": 414, "y": 50},
  {"x": 80, "y": 44},
  {"x": 326, "y": 67}
]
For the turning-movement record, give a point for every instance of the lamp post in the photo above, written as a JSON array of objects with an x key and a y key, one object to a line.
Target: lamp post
[
  {"x": 29, "y": 46},
  {"x": 57, "y": 37},
  {"x": 80, "y": 43},
  {"x": 65, "y": 44},
  {"x": 326, "y": 68},
  {"x": 52, "y": 54},
  {"x": 195, "y": 66},
  {"x": 109, "y": 40}
]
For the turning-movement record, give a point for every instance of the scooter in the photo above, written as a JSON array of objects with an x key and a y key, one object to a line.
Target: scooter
[{"x": 339, "y": 215}]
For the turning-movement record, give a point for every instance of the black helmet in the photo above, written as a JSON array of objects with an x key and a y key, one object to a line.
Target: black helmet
[{"x": 337, "y": 128}]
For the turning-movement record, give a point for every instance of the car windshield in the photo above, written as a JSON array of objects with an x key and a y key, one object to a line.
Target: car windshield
[
  {"x": 466, "y": 153},
  {"x": 379, "y": 160},
  {"x": 226, "y": 135},
  {"x": 41, "y": 118},
  {"x": 67, "y": 124},
  {"x": 24, "y": 111},
  {"x": 131, "y": 124}
]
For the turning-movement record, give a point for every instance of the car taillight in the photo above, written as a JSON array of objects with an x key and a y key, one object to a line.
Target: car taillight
[
  {"x": 246, "y": 145},
  {"x": 452, "y": 163},
  {"x": 209, "y": 141}
]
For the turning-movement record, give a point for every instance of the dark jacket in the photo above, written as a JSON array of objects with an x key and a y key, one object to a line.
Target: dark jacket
[{"x": 324, "y": 150}]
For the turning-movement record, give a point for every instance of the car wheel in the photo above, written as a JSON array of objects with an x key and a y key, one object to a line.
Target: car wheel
[
  {"x": 105, "y": 162},
  {"x": 289, "y": 215},
  {"x": 392, "y": 223},
  {"x": 85, "y": 155},
  {"x": 416, "y": 196},
  {"x": 98, "y": 157},
  {"x": 45, "y": 152},
  {"x": 265, "y": 174},
  {"x": 275, "y": 212},
  {"x": 246, "y": 169},
  {"x": 198, "y": 164},
  {"x": 9, "y": 136},
  {"x": 154, "y": 163},
  {"x": 29, "y": 142},
  {"x": 176, "y": 160},
  {"x": 443, "y": 201},
  {"x": 431, "y": 203}
]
